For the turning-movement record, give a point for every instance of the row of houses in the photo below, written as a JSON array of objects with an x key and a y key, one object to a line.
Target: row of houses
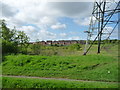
[{"x": 61, "y": 42}]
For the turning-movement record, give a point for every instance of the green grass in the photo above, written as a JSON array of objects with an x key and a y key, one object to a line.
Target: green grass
[
  {"x": 57, "y": 50},
  {"x": 65, "y": 64},
  {"x": 0, "y": 82},
  {"x": 90, "y": 67},
  {"x": 107, "y": 49},
  {"x": 10, "y": 82}
]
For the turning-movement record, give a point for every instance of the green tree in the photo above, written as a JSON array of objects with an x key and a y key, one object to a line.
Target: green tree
[
  {"x": 6, "y": 33},
  {"x": 7, "y": 36},
  {"x": 22, "y": 40},
  {"x": 12, "y": 39}
]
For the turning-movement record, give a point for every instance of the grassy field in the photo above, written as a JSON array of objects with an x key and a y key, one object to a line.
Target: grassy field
[
  {"x": 68, "y": 50},
  {"x": 101, "y": 67},
  {"x": 10, "y": 82},
  {"x": 90, "y": 67}
]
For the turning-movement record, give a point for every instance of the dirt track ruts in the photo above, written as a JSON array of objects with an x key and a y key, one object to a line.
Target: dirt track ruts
[{"x": 58, "y": 79}]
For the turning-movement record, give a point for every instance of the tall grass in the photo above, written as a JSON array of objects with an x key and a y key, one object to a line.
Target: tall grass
[
  {"x": 90, "y": 67},
  {"x": 10, "y": 82}
]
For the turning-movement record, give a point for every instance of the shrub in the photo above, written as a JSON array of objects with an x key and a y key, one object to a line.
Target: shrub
[{"x": 75, "y": 47}]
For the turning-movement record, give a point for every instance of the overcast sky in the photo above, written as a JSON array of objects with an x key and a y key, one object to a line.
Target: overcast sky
[{"x": 48, "y": 20}]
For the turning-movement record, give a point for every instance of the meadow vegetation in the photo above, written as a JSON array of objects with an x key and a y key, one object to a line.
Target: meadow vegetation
[
  {"x": 41, "y": 83},
  {"x": 48, "y": 50},
  {"x": 21, "y": 58},
  {"x": 91, "y": 67}
]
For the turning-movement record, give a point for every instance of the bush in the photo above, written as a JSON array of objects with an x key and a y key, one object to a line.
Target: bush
[
  {"x": 9, "y": 47},
  {"x": 75, "y": 47}
]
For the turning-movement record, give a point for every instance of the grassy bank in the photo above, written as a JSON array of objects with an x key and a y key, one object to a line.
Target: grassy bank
[
  {"x": 90, "y": 67},
  {"x": 10, "y": 82}
]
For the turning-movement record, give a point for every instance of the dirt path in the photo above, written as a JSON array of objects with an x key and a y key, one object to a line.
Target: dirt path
[{"x": 56, "y": 78}]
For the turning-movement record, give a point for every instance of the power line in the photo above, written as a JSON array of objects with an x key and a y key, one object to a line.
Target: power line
[{"x": 102, "y": 18}]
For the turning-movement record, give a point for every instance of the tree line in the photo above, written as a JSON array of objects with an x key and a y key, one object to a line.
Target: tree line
[{"x": 12, "y": 41}]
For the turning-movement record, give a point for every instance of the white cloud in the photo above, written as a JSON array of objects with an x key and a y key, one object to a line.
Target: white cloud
[
  {"x": 30, "y": 31},
  {"x": 37, "y": 34},
  {"x": 27, "y": 29},
  {"x": 107, "y": 30},
  {"x": 84, "y": 21},
  {"x": 59, "y": 26},
  {"x": 43, "y": 15},
  {"x": 63, "y": 34},
  {"x": 72, "y": 9},
  {"x": 7, "y": 10},
  {"x": 47, "y": 20},
  {"x": 75, "y": 38},
  {"x": 46, "y": 35},
  {"x": 29, "y": 11}
]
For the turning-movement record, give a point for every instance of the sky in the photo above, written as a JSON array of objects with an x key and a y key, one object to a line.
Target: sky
[{"x": 44, "y": 20}]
